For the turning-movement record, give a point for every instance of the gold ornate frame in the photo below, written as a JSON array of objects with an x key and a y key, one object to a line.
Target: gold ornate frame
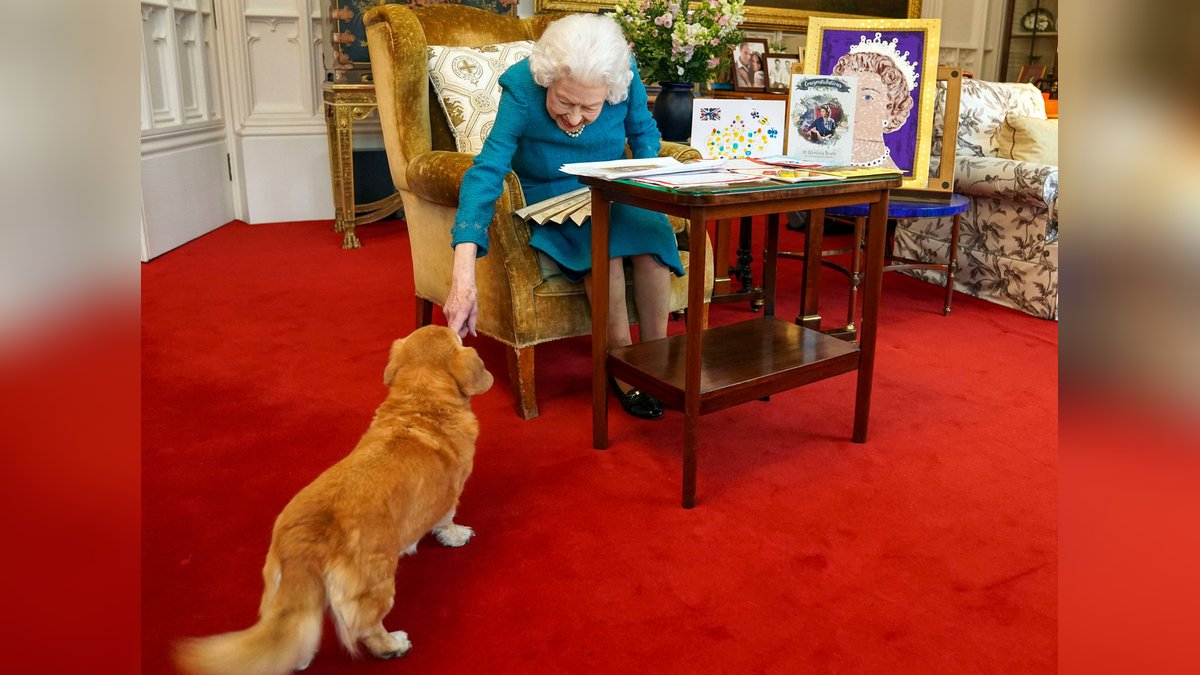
[
  {"x": 927, "y": 87},
  {"x": 756, "y": 17}
]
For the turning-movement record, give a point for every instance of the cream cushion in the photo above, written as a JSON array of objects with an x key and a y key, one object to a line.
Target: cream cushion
[
  {"x": 465, "y": 79},
  {"x": 1028, "y": 139}
]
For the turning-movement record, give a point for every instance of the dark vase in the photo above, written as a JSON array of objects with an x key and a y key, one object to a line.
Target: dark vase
[{"x": 673, "y": 110}]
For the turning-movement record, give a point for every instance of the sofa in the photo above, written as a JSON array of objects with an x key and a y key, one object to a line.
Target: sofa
[{"x": 1008, "y": 243}]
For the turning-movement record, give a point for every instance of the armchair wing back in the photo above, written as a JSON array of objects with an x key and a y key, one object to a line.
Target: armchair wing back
[
  {"x": 517, "y": 306},
  {"x": 1008, "y": 245}
]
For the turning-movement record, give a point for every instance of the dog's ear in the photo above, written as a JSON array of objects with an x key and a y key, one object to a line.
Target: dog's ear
[
  {"x": 393, "y": 364},
  {"x": 469, "y": 372}
]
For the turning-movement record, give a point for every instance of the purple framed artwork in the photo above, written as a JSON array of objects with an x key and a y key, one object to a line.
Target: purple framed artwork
[{"x": 895, "y": 63}]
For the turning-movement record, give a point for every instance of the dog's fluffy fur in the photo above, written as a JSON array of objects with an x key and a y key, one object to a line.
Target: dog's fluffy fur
[{"x": 337, "y": 541}]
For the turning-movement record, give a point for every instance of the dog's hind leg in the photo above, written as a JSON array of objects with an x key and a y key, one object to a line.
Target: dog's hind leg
[
  {"x": 450, "y": 533},
  {"x": 360, "y": 597}
]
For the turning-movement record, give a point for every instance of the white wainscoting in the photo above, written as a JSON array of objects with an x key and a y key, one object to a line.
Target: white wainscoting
[{"x": 186, "y": 190}]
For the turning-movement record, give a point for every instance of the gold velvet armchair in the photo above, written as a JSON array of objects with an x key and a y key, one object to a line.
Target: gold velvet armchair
[{"x": 516, "y": 305}]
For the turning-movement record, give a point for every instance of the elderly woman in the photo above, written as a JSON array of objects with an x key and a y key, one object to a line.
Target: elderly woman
[{"x": 577, "y": 98}]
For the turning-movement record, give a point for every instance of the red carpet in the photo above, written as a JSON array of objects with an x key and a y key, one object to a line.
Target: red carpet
[{"x": 930, "y": 549}]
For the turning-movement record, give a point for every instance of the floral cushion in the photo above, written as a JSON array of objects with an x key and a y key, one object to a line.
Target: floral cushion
[
  {"x": 465, "y": 79},
  {"x": 982, "y": 108}
]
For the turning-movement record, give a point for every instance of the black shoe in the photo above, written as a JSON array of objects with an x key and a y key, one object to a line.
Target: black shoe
[{"x": 636, "y": 402}]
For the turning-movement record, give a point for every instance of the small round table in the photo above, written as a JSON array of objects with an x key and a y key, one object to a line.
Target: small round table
[{"x": 899, "y": 209}]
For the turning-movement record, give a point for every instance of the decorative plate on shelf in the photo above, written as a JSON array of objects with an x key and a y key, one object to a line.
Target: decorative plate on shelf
[{"x": 1039, "y": 19}]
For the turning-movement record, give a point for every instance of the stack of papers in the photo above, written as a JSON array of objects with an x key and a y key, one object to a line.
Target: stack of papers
[
  {"x": 633, "y": 168},
  {"x": 661, "y": 171}
]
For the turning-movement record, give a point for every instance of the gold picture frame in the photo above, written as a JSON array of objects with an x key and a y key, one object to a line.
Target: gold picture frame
[
  {"x": 793, "y": 15},
  {"x": 907, "y": 142}
]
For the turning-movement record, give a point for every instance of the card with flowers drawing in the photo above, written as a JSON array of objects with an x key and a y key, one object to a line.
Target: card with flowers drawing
[{"x": 732, "y": 128}]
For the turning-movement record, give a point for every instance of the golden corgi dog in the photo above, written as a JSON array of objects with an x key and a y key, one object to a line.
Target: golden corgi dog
[{"x": 336, "y": 543}]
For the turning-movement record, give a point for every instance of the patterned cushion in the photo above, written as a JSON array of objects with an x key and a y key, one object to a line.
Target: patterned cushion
[
  {"x": 982, "y": 109},
  {"x": 465, "y": 79}
]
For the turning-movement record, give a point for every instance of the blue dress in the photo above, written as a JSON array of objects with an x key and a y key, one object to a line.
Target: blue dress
[{"x": 526, "y": 140}]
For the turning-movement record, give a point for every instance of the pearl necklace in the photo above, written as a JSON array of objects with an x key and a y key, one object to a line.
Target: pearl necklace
[
  {"x": 887, "y": 152},
  {"x": 575, "y": 134}
]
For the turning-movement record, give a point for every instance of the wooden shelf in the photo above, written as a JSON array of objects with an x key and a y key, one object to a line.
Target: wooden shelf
[{"x": 740, "y": 362}]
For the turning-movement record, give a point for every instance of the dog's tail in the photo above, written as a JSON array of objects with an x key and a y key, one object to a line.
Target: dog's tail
[{"x": 284, "y": 639}]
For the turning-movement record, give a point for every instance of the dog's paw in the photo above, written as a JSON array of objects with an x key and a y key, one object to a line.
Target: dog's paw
[
  {"x": 400, "y": 645},
  {"x": 454, "y": 535},
  {"x": 411, "y": 550}
]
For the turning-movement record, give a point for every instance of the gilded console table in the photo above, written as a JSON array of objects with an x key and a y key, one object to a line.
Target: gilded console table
[{"x": 346, "y": 104}]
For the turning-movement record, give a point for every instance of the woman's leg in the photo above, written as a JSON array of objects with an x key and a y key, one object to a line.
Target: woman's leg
[
  {"x": 618, "y": 316},
  {"x": 635, "y": 402},
  {"x": 652, "y": 295}
]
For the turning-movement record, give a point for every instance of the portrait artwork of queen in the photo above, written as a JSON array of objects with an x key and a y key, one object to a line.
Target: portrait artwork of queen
[{"x": 894, "y": 105}]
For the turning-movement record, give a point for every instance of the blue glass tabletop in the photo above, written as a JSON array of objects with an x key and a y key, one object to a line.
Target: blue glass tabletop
[{"x": 899, "y": 208}]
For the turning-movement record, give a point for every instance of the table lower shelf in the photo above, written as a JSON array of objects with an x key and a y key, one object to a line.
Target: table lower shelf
[{"x": 739, "y": 362}]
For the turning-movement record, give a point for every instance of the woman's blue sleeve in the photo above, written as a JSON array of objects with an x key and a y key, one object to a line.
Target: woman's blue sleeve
[
  {"x": 483, "y": 183},
  {"x": 640, "y": 128}
]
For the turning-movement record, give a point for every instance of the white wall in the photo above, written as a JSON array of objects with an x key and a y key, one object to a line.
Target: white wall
[
  {"x": 277, "y": 128},
  {"x": 186, "y": 189}
]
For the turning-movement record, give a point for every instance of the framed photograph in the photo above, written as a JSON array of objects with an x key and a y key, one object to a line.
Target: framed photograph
[
  {"x": 789, "y": 15},
  {"x": 779, "y": 70},
  {"x": 1032, "y": 74},
  {"x": 750, "y": 65},
  {"x": 895, "y": 63}
]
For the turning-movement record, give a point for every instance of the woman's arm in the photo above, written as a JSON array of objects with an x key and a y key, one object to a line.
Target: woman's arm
[
  {"x": 640, "y": 128},
  {"x": 481, "y": 187},
  {"x": 483, "y": 183}
]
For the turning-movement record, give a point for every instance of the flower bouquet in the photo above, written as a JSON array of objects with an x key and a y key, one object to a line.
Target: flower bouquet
[{"x": 678, "y": 42}]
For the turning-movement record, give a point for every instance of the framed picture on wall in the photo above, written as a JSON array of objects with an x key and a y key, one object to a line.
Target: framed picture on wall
[
  {"x": 750, "y": 65},
  {"x": 345, "y": 53},
  {"x": 789, "y": 15},
  {"x": 895, "y": 63},
  {"x": 779, "y": 70}
]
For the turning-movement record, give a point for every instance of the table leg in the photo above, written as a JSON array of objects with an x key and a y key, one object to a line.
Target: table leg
[
  {"x": 344, "y": 178},
  {"x": 872, "y": 290},
  {"x": 692, "y": 354},
  {"x": 951, "y": 264},
  {"x": 810, "y": 283},
  {"x": 600, "y": 299},
  {"x": 771, "y": 264},
  {"x": 721, "y": 268},
  {"x": 856, "y": 244},
  {"x": 334, "y": 166},
  {"x": 743, "y": 272}
]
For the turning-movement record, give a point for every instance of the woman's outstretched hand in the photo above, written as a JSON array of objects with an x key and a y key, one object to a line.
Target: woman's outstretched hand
[{"x": 462, "y": 304}]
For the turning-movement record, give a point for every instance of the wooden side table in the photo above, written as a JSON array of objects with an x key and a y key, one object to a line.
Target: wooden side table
[
  {"x": 346, "y": 104},
  {"x": 705, "y": 371}
]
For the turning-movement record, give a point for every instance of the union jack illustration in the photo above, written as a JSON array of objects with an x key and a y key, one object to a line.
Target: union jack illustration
[{"x": 710, "y": 114}]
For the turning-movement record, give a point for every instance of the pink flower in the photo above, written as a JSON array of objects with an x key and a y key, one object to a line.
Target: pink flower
[
  {"x": 723, "y": 20},
  {"x": 715, "y": 42},
  {"x": 714, "y": 62}
]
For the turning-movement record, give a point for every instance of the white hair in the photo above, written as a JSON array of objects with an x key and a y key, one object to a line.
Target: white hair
[{"x": 588, "y": 48}]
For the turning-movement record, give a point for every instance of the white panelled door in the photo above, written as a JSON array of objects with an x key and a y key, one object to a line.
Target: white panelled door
[{"x": 187, "y": 185}]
